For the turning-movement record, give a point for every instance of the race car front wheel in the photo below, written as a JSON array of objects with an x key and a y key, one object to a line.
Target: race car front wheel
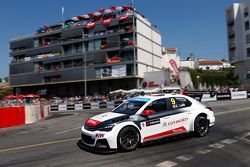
[
  {"x": 201, "y": 126},
  {"x": 128, "y": 139}
]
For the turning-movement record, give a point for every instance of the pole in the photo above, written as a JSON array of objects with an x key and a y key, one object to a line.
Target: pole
[
  {"x": 85, "y": 78},
  {"x": 132, "y": 3},
  {"x": 62, "y": 14}
]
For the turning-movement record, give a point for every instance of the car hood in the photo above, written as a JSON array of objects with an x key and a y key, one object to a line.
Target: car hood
[{"x": 96, "y": 120}]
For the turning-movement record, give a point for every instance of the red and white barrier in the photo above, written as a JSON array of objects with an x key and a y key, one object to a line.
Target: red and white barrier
[{"x": 14, "y": 116}]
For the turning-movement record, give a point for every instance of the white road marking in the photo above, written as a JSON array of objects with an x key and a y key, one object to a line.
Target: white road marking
[
  {"x": 67, "y": 130},
  {"x": 185, "y": 157},
  {"x": 216, "y": 145},
  {"x": 246, "y": 137},
  {"x": 166, "y": 164},
  {"x": 228, "y": 141},
  {"x": 203, "y": 151}
]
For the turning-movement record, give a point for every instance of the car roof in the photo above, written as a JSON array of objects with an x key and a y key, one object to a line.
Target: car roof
[{"x": 157, "y": 96}]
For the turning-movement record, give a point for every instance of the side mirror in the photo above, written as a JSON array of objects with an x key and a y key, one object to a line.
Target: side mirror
[{"x": 147, "y": 112}]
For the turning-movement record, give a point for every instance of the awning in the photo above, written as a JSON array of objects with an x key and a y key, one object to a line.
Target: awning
[
  {"x": 106, "y": 22},
  {"x": 75, "y": 18},
  {"x": 97, "y": 14},
  {"x": 101, "y": 10},
  {"x": 10, "y": 97},
  {"x": 112, "y": 8},
  {"x": 90, "y": 25},
  {"x": 123, "y": 17}
]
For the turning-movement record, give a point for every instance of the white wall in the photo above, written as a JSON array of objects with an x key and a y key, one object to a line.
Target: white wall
[
  {"x": 186, "y": 63},
  {"x": 143, "y": 29},
  {"x": 144, "y": 57},
  {"x": 144, "y": 43}
]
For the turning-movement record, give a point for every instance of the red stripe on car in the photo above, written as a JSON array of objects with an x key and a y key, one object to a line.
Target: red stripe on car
[
  {"x": 92, "y": 122},
  {"x": 181, "y": 129}
]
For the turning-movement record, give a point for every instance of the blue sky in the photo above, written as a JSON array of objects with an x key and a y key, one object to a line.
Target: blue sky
[{"x": 193, "y": 26}]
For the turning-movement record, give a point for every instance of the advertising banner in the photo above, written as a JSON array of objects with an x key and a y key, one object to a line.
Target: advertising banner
[
  {"x": 208, "y": 97},
  {"x": 94, "y": 105},
  {"x": 54, "y": 108},
  {"x": 239, "y": 95},
  {"x": 70, "y": 107},
  {"x": 78, "y": 106},
  {"x": 62, "y": 107},
  {"x": 223, "y": 96}
]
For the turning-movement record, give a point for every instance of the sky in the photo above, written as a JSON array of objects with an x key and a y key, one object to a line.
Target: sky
[{"x": 191, "y": 26}]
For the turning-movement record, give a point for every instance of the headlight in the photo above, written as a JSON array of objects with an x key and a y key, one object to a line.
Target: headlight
[{"x": 107, "y": 128}]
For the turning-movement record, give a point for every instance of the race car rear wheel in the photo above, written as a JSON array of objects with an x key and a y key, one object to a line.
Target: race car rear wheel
[
  {"x": 128, "y": 139},
  {"x": 201, "y": 126}
]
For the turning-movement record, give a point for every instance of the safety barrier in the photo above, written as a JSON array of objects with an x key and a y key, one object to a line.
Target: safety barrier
[
  {"x": 94, "y": 105},
  {"x": 205, "y": 96},
  {"x": 14, "y": 116}
]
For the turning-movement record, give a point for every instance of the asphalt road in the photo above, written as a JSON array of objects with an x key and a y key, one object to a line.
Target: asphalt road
[{"x": 53, "y": 142}]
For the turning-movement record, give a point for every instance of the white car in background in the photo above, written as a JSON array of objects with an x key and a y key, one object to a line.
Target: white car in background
[{"x": 146, "y": 118}]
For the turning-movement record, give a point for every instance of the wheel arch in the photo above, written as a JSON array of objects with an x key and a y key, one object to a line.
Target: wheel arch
[{"x": 198, "y": 115}]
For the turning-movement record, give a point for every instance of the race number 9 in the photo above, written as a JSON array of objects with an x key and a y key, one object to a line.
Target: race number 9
[{"x": 173, "y": 101}]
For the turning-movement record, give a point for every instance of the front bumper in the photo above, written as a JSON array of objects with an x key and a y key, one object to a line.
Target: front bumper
[
  {"x": 211, "y": 121},
  {"x": 98, "y": 139}
]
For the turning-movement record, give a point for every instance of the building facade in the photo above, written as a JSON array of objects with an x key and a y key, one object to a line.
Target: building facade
[
  {"x": 109, "y": 50},
  {"x": 238, "y": 31}
]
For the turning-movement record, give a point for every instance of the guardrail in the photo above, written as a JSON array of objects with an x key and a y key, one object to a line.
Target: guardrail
[{"x": 200, "y": 96}]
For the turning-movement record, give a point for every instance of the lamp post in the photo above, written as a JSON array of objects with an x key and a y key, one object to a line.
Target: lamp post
[
  {"x": 198, "y": 82},
  {"x": 85, "y": 77}
]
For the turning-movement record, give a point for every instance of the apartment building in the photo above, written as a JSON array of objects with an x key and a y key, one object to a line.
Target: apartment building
[
  {"x": 238, "y": 35},
  {"x": 108, "y": 50}
]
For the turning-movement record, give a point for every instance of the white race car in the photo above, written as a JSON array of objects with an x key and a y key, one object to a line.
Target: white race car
[{"x": 146, "y": 118}]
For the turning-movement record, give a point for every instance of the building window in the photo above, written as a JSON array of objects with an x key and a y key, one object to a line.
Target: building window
[
  {"x": 248, "y": 52},
  {"x": 91, "y": 46},
  {"x": 248, "y": 76},
  {"x": 246, "y": 12},
  {"x": 247, "y": 38},
  {"x": 247, "y": 26}
]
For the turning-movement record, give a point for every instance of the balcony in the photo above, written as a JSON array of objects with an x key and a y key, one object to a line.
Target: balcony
[
  {"x": 230, "y": 22},
  {"x": 231, "y": 34}
]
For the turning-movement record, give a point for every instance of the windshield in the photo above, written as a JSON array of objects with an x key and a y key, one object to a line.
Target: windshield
[{"x": 129, "y": 107}]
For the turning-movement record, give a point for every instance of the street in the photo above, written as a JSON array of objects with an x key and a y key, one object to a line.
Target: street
[{"x": 53, "y": 142}]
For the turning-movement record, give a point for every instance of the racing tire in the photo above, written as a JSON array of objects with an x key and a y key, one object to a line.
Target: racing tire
[
  {"x": 128, "y": 139},
  {"x": 201, "y": 126}
]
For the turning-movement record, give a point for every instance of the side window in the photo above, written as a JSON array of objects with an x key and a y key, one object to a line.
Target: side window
[
  {"x": 178, "y": 102},
  {"x": 158, "y": 105},
  {"x": 183, "y": 102}
]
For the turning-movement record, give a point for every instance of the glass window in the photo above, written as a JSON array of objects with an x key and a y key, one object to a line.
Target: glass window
[
  {"x": 247, "y": 26},
  {"x": 91, "y": 46},
  {"x": 158, "y": 105},
  {"x": 98, "y": 44},
  {"x": 77, "y": 63},
  {"x": 246, "y": 12},
  {"x": 247, "y": 38},
  {"x": 178, "y": 102},
  {"x": 129, "y": 107},
  {"x": 67, "y": 64},
  {"x": 248, "y": 52}
]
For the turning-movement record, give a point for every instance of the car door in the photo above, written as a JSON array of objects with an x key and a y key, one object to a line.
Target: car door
[
  {"x": 151, "y": 126},
  {"x": 178, "y": 119}
]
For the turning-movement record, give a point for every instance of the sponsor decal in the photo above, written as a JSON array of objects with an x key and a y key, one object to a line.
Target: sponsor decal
[
  {"x": 92, "y": 122},
  {"x": 139, "y": 99},
  {"x": 153, "y": 122},
  {"x": 99, "y": 135},
  {"x": 208, "y": 97},
  {"x": 178, "y": 130},
  {"x": 239, "y": 95},
  {"x": 177, "y": 121}
]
